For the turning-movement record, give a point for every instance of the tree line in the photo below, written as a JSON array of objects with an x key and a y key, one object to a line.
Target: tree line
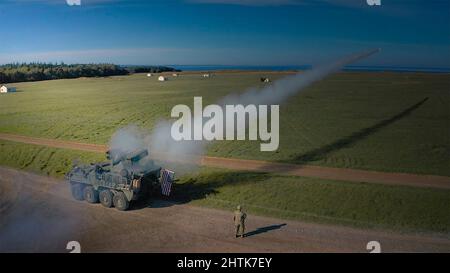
[
  {"x": 24, "y": 72},
  {"x": 150, "y": 69}
]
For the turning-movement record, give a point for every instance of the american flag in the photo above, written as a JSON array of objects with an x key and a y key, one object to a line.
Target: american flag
[{"x": 167, "y": 177}]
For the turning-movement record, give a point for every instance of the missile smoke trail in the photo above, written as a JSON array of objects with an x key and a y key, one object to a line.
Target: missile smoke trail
[
  {"x": 282, "y": 89},
  {"x": 161, "y": 143}
]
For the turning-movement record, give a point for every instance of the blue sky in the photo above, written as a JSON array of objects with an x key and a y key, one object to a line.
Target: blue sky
[{"x": 225, "y": 32}]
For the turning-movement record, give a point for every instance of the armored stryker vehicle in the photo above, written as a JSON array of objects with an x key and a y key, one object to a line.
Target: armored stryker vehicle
[{"x": 126, "y": 177}]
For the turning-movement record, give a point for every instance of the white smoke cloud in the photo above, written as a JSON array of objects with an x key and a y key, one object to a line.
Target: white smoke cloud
[
  {"x": 181, "y": 156},
  {"x": 162, "y": 147}
]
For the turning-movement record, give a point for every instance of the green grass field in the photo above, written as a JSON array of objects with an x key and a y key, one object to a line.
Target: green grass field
[
  {"x": 316, "y": 200},
  {"x": 377, "y": 121},
  {"x": 349, "y": 120}
]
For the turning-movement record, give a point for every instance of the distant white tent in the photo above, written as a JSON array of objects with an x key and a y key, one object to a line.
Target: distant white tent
[
  {"x": 5, "y": 89},
  {"x": 175, "y": 75},
  {"x": 149, "y": 74},
  {"x": 206, "y": 75},
  {"x": 161, "y": 79}
]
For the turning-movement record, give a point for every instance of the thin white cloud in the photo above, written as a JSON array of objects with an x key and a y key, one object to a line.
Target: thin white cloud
[{"x": 91, "y": 55}]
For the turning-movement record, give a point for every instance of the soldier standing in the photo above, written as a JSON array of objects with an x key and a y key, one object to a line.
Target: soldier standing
[{"x": 239, "y": 221}]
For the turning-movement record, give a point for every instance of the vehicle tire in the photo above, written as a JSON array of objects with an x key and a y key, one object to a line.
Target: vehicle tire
[
  {"x": 120, "y": 201},
  {"x": 77, "y": 191},
  {"x": 90, "y": 194},
  {"x": 106, "y": 198}
]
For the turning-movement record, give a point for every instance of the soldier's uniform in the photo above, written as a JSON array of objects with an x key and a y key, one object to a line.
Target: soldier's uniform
[{"x": 239, "y": 222}]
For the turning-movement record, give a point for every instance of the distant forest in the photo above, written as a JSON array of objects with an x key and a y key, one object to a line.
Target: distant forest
[
  {"x": 150, "y": 69},
  {"x": 24, "y": 72}
]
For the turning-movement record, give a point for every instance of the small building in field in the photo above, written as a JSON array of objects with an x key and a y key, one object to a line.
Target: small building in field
[
  {"x": 149, "y": 74},
  {"x": 206, "y": 75},
  {"x": 162, "y": 79},
  {"x": 5, "y": 89},
  {"x": 175, "y": 75}
]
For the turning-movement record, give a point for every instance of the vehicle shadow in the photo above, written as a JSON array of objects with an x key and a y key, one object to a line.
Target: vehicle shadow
[
  {"x": 264, "y": 230},
  {"x": 151, "y": 202},
  {"x": 199, "y": 188}
]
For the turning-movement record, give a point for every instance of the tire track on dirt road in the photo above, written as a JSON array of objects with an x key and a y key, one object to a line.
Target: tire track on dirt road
[{"x": 353, "y": 175}]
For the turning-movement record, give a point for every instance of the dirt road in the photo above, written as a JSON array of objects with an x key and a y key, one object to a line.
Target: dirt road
[
  {"x": 39, "y": 215},
  {"x": 265, "y": 166}
]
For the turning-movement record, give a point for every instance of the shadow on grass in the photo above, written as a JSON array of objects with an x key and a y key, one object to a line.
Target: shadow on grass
[
  {"x": 321, "y": 152},
  {"x": 199, "y": 188},
  {"x": 195, "y": 189},
  {"x": 264, "y": 230}
]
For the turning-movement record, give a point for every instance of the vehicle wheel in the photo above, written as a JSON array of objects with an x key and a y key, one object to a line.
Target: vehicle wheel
[
  {"x": 106, "y": 198},
  {"x": 120, "y": 201},
  {"x": 77, "y": 191},
  {"x": 90, "y": 194}
]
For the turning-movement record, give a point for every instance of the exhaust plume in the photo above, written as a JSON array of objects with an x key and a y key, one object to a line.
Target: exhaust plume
[
  {"x": 162, "y": 147},
  {"x": 282, "y": 89},
  {"x": 181, "y": 156}
]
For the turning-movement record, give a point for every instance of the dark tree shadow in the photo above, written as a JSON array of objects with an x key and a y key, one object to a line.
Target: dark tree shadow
[{"x": 264, "y": 230}]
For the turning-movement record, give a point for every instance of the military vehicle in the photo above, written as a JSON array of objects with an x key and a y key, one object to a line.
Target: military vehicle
[{"x": 126, "y": 177}]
